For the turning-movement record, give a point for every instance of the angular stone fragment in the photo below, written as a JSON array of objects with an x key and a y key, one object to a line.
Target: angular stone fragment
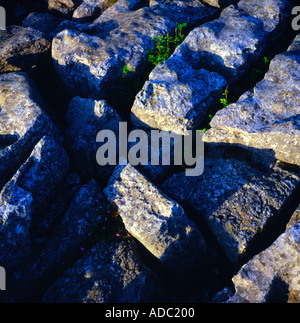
[
  {"x": 157, "y": 221},
  {"x": 236, "y": 201},
  {"x": 90, "y": 64},
  {"x": 109, "y": 272},
  {"x": 25, "y": 196},
  {"x": 179, "y": 91},
  {"x": 274, "y": 14},
  {"x": 85, "y": 118},
  {"x": 63, "y": 7},
  {"x": 230, "y": 44},
  {"x": 22, "y": 48},
  {"x": 91, "y": 9},
  {"x": 273, "y": 275},
  {"x": 72, "y": 236},
  {"x": 23, "y": 122},
  {"x": 266, "y": 117},
  {"x": 177, "y": 97},
  {"x": 295, "y": 44}
]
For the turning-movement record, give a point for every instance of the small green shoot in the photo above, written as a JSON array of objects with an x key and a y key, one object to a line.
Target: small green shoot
[
  {"x": 125, "y": 70},
  {"x": 224, "y": 100}
]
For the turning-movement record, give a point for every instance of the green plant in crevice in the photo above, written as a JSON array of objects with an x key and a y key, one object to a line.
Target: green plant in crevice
[
  {"x": 125, "y": 70},
  {"x": 164, "y": 46},
  {"x": 208, "y": 125},
  {"x": 224, "y": 99}
]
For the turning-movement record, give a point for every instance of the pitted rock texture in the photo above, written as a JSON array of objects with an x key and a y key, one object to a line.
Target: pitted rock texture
[
  {"x": 272, "y": 275},
  {"x": 179, "y": 91},
  {"x": 236, "y": 201},
  {"x": 177, "y": 97},
  {"x": 22, "y": 48},
  {"x": 91, "y": 64},
  {"x": 91, "y": 9},
  {"x": 26, "y": 195},
  {"x": 266, "y": 117},
  {"x": 23, "y": 121},
  {"x": 159, "y": 223},
  {"x": 109, "y": 272}
]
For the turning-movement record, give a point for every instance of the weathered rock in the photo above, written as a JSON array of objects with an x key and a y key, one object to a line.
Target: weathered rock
[
  {"x": 237, "y": 201},
  {"x": 179, "y": 91},
  {"x": 274, "y": 14},
  {"x": 23, "y": 122},
  {"x": 272, "y": 275},
  {"x": 230, "y": 44},
  {"x": 109, "y": 272},
  {"x": 91, "y": 9},
  {"x": 295, "y": 44},
  {"x": 63, "y": 7},
  {"x": 22, "y": 48},
  {"x": 25, "y": 197},
  {"x": 43, "y": 226},
  {"x": 70, "y": 240},
  {"x": 177, "y": 97},
  {"x": 85, "y": 118},
  {"x": 44, "y": 22},
  {"x": 157, "y": 221},
  {"x": 266, "y": 117},
  {"x": 91, "y": 64}
]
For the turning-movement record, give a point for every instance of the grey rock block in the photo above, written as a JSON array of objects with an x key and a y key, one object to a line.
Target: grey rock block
[
  {"x": 109, "y": 272},
  {"x": 70, "y": 239},
  {"x": 273, "y": 14},
  {"x": 266, "y": 117},
  {"x": 22, "y": 48},
  {"x": 273, "y": 274},
  {"x": 295, "y": 44},
  {"x": 177, "y": 97},
  {"x": 235, "y": 199},
  {"x": 157, "y": 221},
  {"x": 63, "y": 7},
  {"x": 180, "y": 90},
  {"x": 26, "y": 196},
  {"x": 85, "y": 118},
  {"x": 230, "y": 44},
  {"x": 90, "y": 64},
  {"x": 23, "y": 122},
  {"x": 91, "y": 9}
]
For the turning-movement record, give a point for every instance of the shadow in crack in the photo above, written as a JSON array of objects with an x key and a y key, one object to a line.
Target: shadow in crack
[{"x": 278, "y": 292}]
